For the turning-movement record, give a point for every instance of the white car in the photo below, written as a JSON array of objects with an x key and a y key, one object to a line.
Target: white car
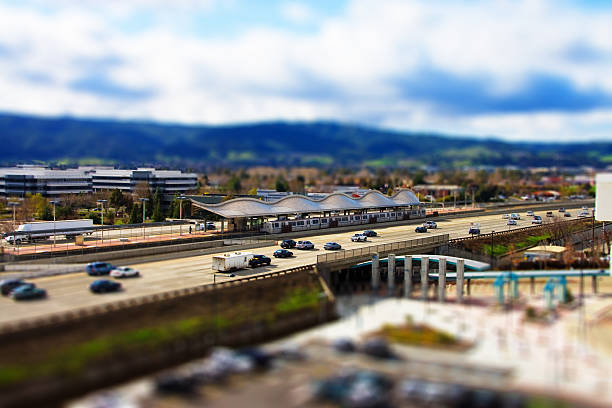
[
  {"x": 359, "y": 238},
  {"x": 512, "y": 222},
  {"x": 430, "y": 224},
  {"x": 515, "y": 216},
  {"x": 124, "y": 272},
  {"x": 530, "y": 213},
  {"x": 583, "y": 214},
  {"x": 506, "y": 216},
  {"x": 536, "y": 220}
]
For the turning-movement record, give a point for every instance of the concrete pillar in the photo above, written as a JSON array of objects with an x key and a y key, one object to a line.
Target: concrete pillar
[
  {"x": 594, "y": 282},
  {"x": 375, "y": 272},
  {"x": 424, "y": 276},
  {"x": 441, "y": 279},
  {"x": 407, "y": 276},
  {"x": 391, "y": 273},
  {"x": 460, "y": 274},
  {"x": 222, "y": 225}
]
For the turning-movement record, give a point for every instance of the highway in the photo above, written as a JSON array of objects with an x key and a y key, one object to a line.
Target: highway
[{"x": 67, "y": 292}]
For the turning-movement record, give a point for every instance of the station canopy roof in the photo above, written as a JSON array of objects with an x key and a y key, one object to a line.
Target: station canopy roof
[{"x": 294, "y": 204}]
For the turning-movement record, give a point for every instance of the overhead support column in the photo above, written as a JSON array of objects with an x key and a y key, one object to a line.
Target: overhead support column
[
  {"x": 441, "y": 279},
  {"x": 460, "y": 274},
  {"x": 391, "y": 273},
  {"x": 407, "y": 276},
  {"x": 375, "y": 272},
  {"x": 424, "y": 276}
]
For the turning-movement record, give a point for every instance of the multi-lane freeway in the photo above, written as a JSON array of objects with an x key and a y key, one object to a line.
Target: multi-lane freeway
[{"x": 70, "y": 291}]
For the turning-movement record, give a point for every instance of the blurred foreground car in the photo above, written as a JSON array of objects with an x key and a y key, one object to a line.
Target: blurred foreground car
[
  {"x": 28, "y": 291},
  {"x": 8, "y": 285}
]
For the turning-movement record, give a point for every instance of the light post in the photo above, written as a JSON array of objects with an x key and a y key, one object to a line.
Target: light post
[
  {"x": 54, "y": 202},
  {"x": 13, "y": 204},
  {"x": 181, "y": 198},
  {"x": 101, "y": 202},
  {"x": 144, "y": 203}
]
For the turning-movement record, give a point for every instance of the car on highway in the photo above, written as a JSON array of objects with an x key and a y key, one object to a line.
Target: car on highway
[
  {"x": 430, "y": 224},
  {"x": 288, "y": 243},
  {"x": 282, "y": 253},
  {"x": 359, "y": 238},
  {"x": 104, "y": 286},
  {"x": 124, "y": 272},
  {"x": 512, "y": 222},
  {"x": 28, "y": 291},
  {"x": 583, "y": 213},
  {"x": 561, "y": 209},
  {"x": 332, "y": 246},
  {"x": 420, "y": 229},
  {"x": 567, "y": 214},
  {"x": 474, "y": 228},
  {"x": 536, "y": 219},
  {"x": 99, "y": 268},
  {"x": 530, "y": 213},
  {"x": 8, "y": 285},
  {"x": 505, "y": 216},
  {"x": 515, "y": 216},
  {"x": 549, "y": 214},
  {"x": 370, "y": 233},
  {"x": 304, "y": 245},
  {"x": 259, "y": 260}
]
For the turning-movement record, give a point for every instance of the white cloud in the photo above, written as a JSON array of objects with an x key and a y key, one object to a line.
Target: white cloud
[{"x": 351, "y": 68}]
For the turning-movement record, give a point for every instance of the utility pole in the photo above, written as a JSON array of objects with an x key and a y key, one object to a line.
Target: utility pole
[
  {"x": 54, "y": 202},
  {"x": 101, "y": 202},
  {"x": 181, "y": 198},
  {"x": 144, "y": 203}
]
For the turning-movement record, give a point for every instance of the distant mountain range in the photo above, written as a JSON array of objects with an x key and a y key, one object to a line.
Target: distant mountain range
[{"x": 323, "y": 144}]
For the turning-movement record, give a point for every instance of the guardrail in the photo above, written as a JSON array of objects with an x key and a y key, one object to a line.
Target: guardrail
[
  {"x": 382, "y": 248},
  {"x": 75, "y": 315}
]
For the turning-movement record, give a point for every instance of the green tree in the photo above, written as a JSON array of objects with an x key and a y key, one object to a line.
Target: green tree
[
  {"x": 46, "y": 213},
  {"x": 136, "y": 214},
  {"x": 233, "y": 185},
  {"x": 158, "y": 215},
  {"x": 281, "y": 184},
  {"x": 116, "y": 198}
]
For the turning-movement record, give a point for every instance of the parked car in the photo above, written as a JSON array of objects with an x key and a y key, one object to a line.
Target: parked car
[
  {"x": 259, "y": 260},
  {"x": 430, "y": 224},
  {"x": 124, "y": 272},
  {"x": 359, "y": 238},
  {"x": 28, "y": 291},
  {"x": 104, "y": 285},
  {"x": 420, "y": 228},
  {"x": 512, "y": 222},
  {"x": 332, "y": 246},
  {"x": 370, "y": 233},
  {"x": 282, "y": 253},
  {"x": 536, "y": 219},
  {"x": 549, "y": 214},
  {"x": 288, "y": 243},
  {"x": 99, "y": 268},
  {"x": 8, "y": 285},
  {"x": 530, "y": 213},
  {"x": 304, "y": 245}
]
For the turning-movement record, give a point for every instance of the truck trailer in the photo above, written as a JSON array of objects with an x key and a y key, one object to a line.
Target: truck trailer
[
  {"x": 46, "y": 229},
  {"x": 231, "y": 261}
]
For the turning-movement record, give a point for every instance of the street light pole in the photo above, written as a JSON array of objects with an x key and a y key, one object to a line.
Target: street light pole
[
  {"x": 101, "y": 202},
  {"x": 144, "y": 203},
  {"x": 181, "y": 198},
  {"x": 54, "y": 202}
]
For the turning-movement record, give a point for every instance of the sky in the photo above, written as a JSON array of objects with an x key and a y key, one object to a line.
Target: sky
[{"x": 536, "y": 70}]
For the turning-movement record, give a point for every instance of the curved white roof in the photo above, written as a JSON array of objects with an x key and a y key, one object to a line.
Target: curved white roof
[{"x": 293, "y": 204}]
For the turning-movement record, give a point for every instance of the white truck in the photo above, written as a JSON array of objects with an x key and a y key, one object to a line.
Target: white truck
[
  {"x": 45, "y": 229},
  {"x": 231, "y": 261}
]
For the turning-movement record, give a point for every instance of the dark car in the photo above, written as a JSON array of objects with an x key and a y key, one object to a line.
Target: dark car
[
  {"x": 99, "y": 268},
  {"x": 104, "y": 285},
  {"x": 288, "y": 243},
  {"x": 259, "y": 260},
  {"x": 282, "y": 253},
  {"x": 566, "y": 214},
  {"x": 420, "y": 228},
  {"x": 28, "y": 291},
  {"x": 370, "y": 233},
  {"x": 549, "y": 214},
  {"x": 332, "y": 246},
  {"x": 7, "y": 286}
]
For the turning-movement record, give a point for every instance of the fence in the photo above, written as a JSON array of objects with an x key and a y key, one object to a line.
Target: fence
[{"x": 383, "y": 248}]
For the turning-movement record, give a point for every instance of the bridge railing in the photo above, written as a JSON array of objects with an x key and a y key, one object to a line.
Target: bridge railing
[{"x": 382, "y": 248}]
